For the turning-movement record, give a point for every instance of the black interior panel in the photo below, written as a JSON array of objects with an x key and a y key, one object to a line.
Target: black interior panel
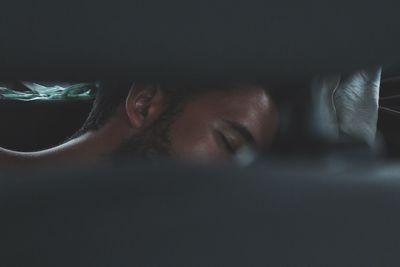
[{"x": 35, "y": 125}]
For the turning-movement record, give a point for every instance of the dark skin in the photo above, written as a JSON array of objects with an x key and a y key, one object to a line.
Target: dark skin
[
  {"x": 218, "y": 124},
  {"x": 211, "y": 126}
]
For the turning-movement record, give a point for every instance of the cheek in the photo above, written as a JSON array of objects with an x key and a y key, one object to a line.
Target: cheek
[{"x": 192, "y": 138}]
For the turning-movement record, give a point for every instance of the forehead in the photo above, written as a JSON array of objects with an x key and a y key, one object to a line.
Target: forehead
[{"x": 249, "y": 106}]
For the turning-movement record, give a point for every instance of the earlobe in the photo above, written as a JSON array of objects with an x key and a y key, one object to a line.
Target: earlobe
[{"x": 143, "y": 104}]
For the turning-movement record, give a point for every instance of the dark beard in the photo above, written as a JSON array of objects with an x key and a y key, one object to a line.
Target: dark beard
[{"x": 153, "y": 143}]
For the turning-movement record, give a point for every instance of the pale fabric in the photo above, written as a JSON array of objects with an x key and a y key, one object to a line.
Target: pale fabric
[{"x": 347, "y": 105}]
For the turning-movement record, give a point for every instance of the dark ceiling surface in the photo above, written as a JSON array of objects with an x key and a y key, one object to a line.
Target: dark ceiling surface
[{"x": 205, "y": 39}]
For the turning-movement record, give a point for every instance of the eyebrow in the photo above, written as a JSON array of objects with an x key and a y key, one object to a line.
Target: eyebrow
[{"x": 242, "y": 130}]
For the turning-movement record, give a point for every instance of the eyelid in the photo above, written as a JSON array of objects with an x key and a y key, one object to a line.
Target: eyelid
[
  {"x": 222, "y": 139},
  {"x": 242, "y": 131}
]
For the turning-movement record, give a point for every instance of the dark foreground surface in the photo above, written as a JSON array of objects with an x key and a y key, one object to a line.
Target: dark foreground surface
[{"x": 326, "y": 213}]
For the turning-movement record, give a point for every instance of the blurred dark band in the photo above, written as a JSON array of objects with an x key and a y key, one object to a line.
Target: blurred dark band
[{"x": 91, "y": 40}]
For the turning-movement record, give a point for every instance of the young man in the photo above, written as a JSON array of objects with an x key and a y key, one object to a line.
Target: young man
[{"x": 184, "y": 121}]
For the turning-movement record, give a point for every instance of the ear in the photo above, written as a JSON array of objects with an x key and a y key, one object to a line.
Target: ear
[{"x": 144, "y": 105}]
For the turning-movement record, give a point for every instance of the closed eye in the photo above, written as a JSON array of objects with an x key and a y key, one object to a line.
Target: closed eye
[{"x": 223, "y": 141}]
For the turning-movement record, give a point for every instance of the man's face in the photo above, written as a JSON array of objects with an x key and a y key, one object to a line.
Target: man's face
[
  {"x": 210, "y": 126},
  {"x": 218, "y": 124}
]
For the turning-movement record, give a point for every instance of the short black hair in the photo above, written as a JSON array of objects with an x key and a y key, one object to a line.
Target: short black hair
[{"x": 108, "y": 96}]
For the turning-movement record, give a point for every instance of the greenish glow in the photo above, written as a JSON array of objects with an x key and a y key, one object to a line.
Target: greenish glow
[{"x": 35, "y": 91}]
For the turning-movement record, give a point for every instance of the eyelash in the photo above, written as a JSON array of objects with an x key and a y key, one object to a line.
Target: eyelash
[{"x": 226, "y": 143}]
